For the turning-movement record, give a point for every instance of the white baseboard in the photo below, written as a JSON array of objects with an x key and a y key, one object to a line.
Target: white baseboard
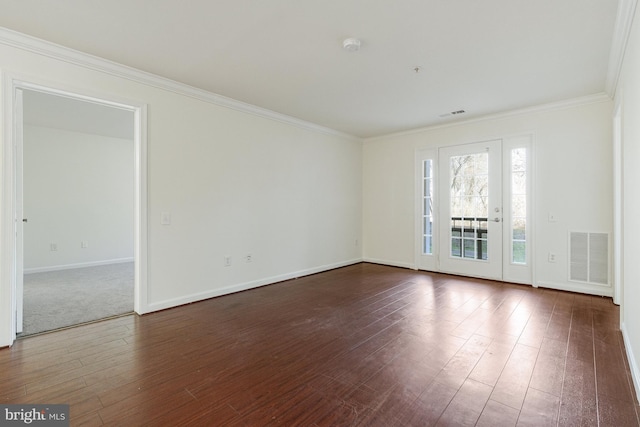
[
  {"x": 78, "y": 265},
  {"x": 162, "y": 305},
  {"x": 635, "y": 373},
  {"x": 389, "y": 263},
  {"x": 578, "y": 288}
]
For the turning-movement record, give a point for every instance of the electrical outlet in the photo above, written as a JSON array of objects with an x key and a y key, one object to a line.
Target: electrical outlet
[
  {"x": 84, "y": 244},
  {"x": 53, "y": 247},
  {"x": 248, "y": 258},
  {"x": 552, "y": 257},
  {"x": 227, "y": 261}
]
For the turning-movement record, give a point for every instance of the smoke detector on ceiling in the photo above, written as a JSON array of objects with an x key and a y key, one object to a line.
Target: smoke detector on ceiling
[{"x": 351, "y": 44}]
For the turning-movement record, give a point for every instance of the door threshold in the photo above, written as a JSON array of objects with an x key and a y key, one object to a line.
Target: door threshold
[{"x": 117, "y": 316}]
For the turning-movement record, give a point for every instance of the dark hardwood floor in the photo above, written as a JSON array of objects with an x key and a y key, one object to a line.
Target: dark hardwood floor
[{"x": 360, "y": 345}]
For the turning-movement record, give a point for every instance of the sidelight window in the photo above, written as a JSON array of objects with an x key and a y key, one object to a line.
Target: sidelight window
[
  {"x": 427, "y": 207},
  {"x": 518, "y": 206}
]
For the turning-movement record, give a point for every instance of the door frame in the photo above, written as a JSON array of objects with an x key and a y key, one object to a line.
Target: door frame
[
  {"x": 492, "y": 268},
  {"x": 511, "y": 272},
  {"x": 422, "y": 261},
  {"x": 9, "y": 223},
  {"x": 618, "y": 206}
]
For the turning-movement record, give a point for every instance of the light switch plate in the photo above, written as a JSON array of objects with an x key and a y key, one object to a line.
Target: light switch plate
[{"x": 165, "y": 218}]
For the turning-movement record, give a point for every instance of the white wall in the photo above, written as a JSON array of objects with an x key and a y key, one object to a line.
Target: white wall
[
  {"x": 573, "y": 179},
  {"x": 78, "y": 187},
  {"x": 628, "y": 95},
  {"x": 234, "y": 182}
]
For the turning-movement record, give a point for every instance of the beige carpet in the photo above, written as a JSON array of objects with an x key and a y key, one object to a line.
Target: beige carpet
[{"x": 58, "y": 299}]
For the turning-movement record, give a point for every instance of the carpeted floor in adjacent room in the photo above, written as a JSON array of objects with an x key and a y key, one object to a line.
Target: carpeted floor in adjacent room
[{"x": 57, "y": 299}]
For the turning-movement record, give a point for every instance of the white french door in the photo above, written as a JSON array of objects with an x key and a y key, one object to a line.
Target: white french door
[{"x": 470, "y": 211}]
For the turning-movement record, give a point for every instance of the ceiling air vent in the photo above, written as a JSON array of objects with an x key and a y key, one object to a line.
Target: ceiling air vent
[{"x": 453, "y": 113}]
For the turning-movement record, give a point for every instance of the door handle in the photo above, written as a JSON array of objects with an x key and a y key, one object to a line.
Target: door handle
[
  {"x": 25, "y": 220},
  {"x": 496, "y": 219}
]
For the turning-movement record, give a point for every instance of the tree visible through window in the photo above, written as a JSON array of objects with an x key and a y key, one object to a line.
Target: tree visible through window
[
  {"x": 469, "y": 197},
  {"x": 519, "y": 205}
]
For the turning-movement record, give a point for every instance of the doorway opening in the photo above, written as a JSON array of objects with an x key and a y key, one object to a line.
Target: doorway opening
[
  {"x": 78, "y": 211},
  {"x": 74, "y": 225}
]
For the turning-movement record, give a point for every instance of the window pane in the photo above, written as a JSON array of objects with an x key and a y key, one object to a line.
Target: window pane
[
  {"x": 519, "y": 254},
  {"x": 469, "y": 203},
  {"x": 519, "y": 205},
  {"x": 469, "y": 208},
  {"x": 456, "y": 227},
  {"x": 519, "y": 228},
  {"x": 456, "y": 245},
  {"x": 428, "y": 169},
  {"x": 482, "y": 229},
  {"x": 428, "y": 248},
  {"x": 483, "y": 247},
  {"x": 427, "y": 206},
  {"x": 518, "y": 183},
  {"x": 469, "y": 248},
  {"x": 519, "y": 159},
  {"x": 468, "y": 165},
  {"x": 456, "y": 207},
  {"x": 427, "y": 209},
  {"x": 483, "y": 207},
  {"x": 469, "y": 229},
  {"x": 482, "y": 164},
  {"x": 481, "y": 185},
  {"x": 456, "y": 187}
]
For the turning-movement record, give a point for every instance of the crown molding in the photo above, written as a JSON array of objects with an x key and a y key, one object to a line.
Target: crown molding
[
  {"x": 621, "y": 31},
  {"x": 71, "y": 56},
  {"x": 542, "y": 108}
]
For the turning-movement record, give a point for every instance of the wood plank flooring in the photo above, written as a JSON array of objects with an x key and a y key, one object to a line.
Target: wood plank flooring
[{"x": 361, "y": 345}]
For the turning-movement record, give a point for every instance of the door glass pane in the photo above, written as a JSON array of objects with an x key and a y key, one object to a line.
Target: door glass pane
[
  {"x": 483, "y": 207},
  {"x": 483, "y": 249},
  {"x": 456, "y": 227},
  {"x": 456, "y": 207},
  {"x": 481, "y": 183},
  {"x": 469, "y": 248},
  {"x": 469, "y": 191},
  {"x": 456, "y": 245}
]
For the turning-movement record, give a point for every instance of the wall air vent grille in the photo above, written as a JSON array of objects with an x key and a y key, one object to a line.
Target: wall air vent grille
[{"x": 589, "y": 257}]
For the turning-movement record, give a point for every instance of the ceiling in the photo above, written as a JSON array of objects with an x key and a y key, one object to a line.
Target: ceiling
[{"x": 481, "y": 56}]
